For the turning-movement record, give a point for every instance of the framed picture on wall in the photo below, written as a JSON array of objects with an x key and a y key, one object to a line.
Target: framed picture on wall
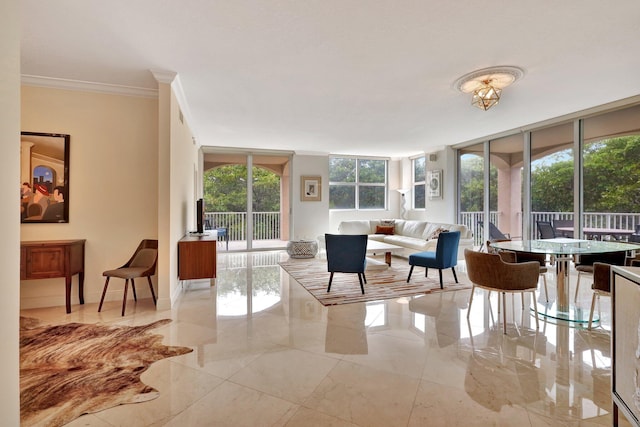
[
  {"x": 434, "y": 181},
  {"x": 311, "y": 188},
  {"x": 44, "y": 177}
]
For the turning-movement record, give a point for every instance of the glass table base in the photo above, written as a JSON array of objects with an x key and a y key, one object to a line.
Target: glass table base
[{"x": 574, "y": 314}]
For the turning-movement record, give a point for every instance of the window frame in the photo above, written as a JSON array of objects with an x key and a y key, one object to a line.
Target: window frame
[
  {"x": 415, "y": 183},
  {"x": 356, "y": 184}
]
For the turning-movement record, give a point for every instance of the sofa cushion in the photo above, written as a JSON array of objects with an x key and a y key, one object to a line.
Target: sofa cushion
[
  {"x": 355, "y": 227},
  {"x": 377, "y": 237},
  {"x": 407, "y": 242},
  {"x": 410, "y": 228},
  {"x": 429, "y": 229}
]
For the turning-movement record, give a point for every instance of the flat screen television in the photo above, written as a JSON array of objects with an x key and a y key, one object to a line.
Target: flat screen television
[{"x": 200, "y": 216}]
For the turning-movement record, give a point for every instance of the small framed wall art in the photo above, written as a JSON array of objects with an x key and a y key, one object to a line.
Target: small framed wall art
[
  {"x": 434, "y": 181},
  {"x": 310, "y": 188}
]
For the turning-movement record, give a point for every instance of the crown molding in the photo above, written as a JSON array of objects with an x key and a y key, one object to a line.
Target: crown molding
[
  {"x": 164, "y": 76},
  {"x": 79, "y": 85}
]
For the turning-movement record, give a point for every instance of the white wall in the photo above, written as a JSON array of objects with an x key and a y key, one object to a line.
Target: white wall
[
  {"x": 10, "y": 218},
  {"x": 183, "y": 171},
  {"x": 113, "y": 183},
  {"x": 309, "y": 219},
  {"x": 444, "y": 209}
]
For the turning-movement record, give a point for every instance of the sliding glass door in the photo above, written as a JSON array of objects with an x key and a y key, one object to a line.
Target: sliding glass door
[{"x": 248, "y": 196}]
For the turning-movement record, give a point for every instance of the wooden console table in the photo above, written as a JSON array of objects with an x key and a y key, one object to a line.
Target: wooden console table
[
  {"x": 46, "y": 259},
  {"x": 197, "y": 257}
]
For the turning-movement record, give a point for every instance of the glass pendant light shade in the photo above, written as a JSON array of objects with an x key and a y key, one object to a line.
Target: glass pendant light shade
[{"x": 486, "y": 96}]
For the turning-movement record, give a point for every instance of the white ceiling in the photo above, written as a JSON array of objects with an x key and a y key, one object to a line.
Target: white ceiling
[{"x": 344, "y": 76}]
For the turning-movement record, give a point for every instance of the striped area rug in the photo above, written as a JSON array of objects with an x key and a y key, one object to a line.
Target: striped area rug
[{"x": 381, "y": 284}]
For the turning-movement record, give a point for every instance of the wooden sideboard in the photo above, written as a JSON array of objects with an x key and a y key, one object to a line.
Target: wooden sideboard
[
  {"x": 46, "y": 259},
  {"x": 197, "y": 257}
]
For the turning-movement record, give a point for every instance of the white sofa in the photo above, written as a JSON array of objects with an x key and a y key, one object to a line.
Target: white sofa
[{"x": 413, "y": 236}]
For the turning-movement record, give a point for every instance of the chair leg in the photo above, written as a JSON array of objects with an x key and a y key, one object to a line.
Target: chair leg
[
  {"x": 593, "y": 306},
  {"x": 365, "y": 278},
  {"x": 440, "y": 273},
  {"x": 330, "y": 279},
  {"x": 124, "y": 300},
  {"x": 575, "y": 298},
  {"x": 410, "y": 271},
  {"x": 504, "y": 312},
  {"x": 360, "y": 279},
  {"x": 426, "y": 271},
  {"x": 535, "y": 309},
  {"x": 490, "y": 309},
  {"x": 104, "y": 292},
  {"x": 455, "y": 276},
  {"x": 133, "y": 287},
  {"x": 473, "y": 287},
  {"x": 153, "y": 294},
  {"x": 546, "y": 292}
]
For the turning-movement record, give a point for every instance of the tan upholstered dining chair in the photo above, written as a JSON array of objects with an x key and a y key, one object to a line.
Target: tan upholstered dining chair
[
  {"x": 141, "y": 264},
  {"x": 510, "y": 256},
  {"x": 601, "y": 285},
  {"x": 490, "y": 272}
]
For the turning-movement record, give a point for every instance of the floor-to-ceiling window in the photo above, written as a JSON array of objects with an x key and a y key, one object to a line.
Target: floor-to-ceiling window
[
  {"x": 611, "y": 173},
  {"x": 552, "y": 176},
  {"x": 471, "y": 179},
  {"x": 599, "y": 190}
]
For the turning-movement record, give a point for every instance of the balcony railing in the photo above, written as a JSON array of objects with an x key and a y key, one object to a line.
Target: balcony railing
[
  {"x": 623, "y": 221},
  {"x": 266, "y": 225}
]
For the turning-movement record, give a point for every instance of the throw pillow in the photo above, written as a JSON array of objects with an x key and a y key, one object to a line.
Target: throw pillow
[
  {"x": 436, "y": 233},
  {"x": 384, "y": 229},
  {"x": 388, "y": 222}
]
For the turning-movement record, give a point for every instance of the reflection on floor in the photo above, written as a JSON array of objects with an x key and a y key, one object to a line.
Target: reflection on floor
[{"x": 267, "y": 353}]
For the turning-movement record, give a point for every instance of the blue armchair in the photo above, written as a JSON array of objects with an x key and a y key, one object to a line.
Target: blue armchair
[
  {"x": 346, "y": 254},
  {"x": 445, "y": 256}
]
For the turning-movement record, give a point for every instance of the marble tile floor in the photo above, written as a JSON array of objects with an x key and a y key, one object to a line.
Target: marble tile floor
[{"x": 266, "y": 353}]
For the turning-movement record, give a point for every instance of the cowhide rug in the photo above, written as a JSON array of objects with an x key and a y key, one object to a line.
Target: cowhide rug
[{"x": 75, "y": 368}]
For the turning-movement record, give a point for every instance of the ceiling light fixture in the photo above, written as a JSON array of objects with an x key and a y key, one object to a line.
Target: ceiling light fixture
[{"x": 487, "y": 84}]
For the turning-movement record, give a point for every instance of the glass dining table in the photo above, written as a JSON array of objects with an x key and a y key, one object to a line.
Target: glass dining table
[{"x": 564, "y": 250}]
